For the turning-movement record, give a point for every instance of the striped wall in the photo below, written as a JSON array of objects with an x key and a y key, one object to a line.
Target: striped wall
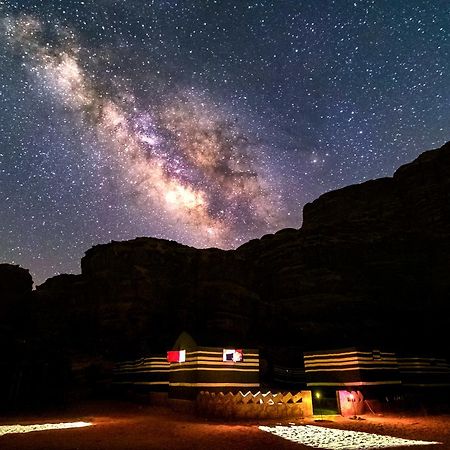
[
  {"x": 204, "y": 369},
  {"x": 150, "y": 374},
  {"x": 289, "y": 376},
  {"x": 351, "y": 367},
  {"x": 424, "y": 371}
]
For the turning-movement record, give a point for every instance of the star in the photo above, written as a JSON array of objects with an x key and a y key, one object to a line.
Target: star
[{"x": 206, "y": 122}]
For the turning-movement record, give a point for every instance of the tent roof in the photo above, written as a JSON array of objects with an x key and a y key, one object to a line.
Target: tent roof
[{"x": 184, "y": 341}]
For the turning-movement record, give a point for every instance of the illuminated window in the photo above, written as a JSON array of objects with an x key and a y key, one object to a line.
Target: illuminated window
[
  {"x": 232, "y": 355},
  {"x": 176, "y": 356}
]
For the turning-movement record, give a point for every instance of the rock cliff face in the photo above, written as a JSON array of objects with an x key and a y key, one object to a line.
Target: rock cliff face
[
  {"x": 135, "y": 297},
  {"x": 15, "y": 294},
  {"x": 370, "y": 265},
  {"x": 15, "y": 283},
  {"x": 15, "y": 291}
]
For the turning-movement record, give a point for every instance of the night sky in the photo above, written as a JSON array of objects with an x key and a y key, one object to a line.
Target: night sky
[{"x": 206, "y": 122}]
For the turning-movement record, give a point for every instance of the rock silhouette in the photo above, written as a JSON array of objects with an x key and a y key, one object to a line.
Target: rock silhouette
[{"x": 369, "y": 266}]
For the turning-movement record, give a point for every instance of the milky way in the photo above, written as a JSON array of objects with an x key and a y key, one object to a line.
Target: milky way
[
  {"x": 205, "y": 122},
  {"x": 187, "y": 160}
]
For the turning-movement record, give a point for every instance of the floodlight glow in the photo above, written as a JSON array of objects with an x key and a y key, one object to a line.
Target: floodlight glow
[
  {"x": 333, "y": 439},
  {"x": 7, "y": 429}
]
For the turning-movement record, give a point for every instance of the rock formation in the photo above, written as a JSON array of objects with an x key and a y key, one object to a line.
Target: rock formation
[
  {"x": 15, "y": 292},
  {"x": 369, "y": 266}
]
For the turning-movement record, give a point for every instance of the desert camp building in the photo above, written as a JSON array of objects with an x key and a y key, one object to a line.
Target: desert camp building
[
  {"x": 346, "y": 377},
  {"x": 351, "y": 367},
  {"x": 187, "y": 369},
  {"x": 354, "y": 374},
  {"x": 355, "y": 368}
]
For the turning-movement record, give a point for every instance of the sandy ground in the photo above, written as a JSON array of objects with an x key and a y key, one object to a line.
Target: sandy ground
[{"x": 123, "y": 426}]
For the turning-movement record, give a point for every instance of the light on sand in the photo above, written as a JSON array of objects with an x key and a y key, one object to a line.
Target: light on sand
[
  {"x": 333, "y": 439},
  {"x": 7, "y": 429}
]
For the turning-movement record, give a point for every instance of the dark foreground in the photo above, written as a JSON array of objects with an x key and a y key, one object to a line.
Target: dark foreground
[{"x": 120, "y": 426}]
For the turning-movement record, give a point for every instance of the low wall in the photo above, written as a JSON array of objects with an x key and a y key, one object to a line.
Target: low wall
[{"x": 255, "y": 406}]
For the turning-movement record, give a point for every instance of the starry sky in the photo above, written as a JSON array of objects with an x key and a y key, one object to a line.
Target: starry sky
[{"x": 207, "y": 122}]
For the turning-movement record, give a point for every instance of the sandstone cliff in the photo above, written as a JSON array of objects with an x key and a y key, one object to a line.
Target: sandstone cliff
[
  {"x": 15, "y": 292},
  {"x": 369, "y": 266}
]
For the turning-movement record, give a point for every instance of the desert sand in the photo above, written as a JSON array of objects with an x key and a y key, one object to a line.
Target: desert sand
[{"x": 124, "y": 426}]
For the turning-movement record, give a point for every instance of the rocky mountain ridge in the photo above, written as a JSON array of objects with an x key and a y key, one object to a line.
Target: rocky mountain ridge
[{"x": 369, "y": 266}]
